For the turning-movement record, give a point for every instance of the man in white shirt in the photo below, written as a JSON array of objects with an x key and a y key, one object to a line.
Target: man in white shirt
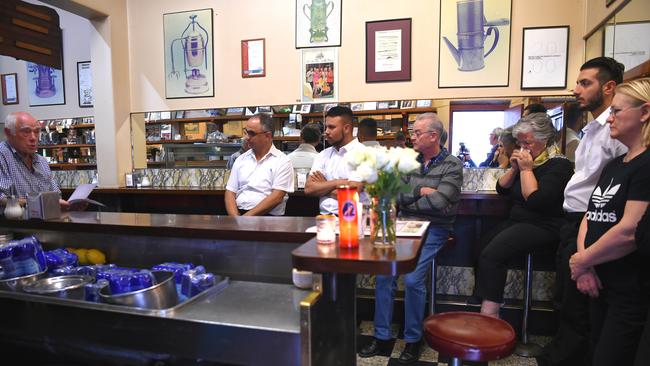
[
  {"x": 303, "y": 157},
  {"x": 367, "y": 132},
  {"x": 330, "y": 169},
  {"x": 262, "y": 176},
  {"x": 594, "y": 92}
]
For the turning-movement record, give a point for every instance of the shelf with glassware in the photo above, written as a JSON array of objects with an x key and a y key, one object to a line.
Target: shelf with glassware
[{"x": 68, "y": 143}]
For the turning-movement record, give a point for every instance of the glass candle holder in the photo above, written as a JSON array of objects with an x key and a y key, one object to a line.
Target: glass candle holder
[{"x": 325, "y": 229}]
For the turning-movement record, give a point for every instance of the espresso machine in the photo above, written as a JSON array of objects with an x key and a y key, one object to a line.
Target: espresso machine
[{"x": 194, "y": 41}]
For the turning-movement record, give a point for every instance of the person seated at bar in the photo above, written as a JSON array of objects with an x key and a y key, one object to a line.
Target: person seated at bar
[
  {"x": 303, "y": 157},
  {"x": 262, "y": 176},
  {"x": 235, "y": 155},
  {"x": 605, "y": 267},
  {"x": 491, "y": 160},
  {"x": 507, "y": 144},
  {"x": 435, "y": 197},
  {"x": 22, "y": 170},
  {"x": 535, "y": 182},
  {"x": 534, "y": 108},
  {"x": 330, "y": 170},
  {"x": 367, "y": 132}
]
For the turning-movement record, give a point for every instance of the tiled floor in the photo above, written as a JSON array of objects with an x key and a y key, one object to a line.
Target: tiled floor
[{"x": 429, "y": 357}]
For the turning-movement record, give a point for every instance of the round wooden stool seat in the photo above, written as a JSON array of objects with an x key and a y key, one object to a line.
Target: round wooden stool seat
[{"x": 469, "y": 336}]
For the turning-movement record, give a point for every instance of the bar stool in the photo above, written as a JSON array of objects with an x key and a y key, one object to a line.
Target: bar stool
[
  {"x": 433, "y": 275},
  {"x": 525, "y": 348},
  {"x": 467, "y": 336}
]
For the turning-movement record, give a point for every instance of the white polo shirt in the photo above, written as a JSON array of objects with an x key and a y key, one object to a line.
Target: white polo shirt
[
  {"x": 303, "y": 157},
  {"x": 595, "y": 150},
  {"x": 252, "y": 180},
  {"x": 330, "y": 162}
]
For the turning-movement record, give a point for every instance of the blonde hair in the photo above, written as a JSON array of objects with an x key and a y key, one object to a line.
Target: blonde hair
[{"x": 639, "y": 90}]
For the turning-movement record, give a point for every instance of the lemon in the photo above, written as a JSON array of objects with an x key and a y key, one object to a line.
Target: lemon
[
  {"x": 95, "y": 256},
  {"x": 82, "y": 255}
]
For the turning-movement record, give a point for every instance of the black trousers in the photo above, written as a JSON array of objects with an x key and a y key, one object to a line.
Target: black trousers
[
  {"x": 643, "y": 350},
  {"x": 617, "y": 316},
  {"x": 516, "y": 239},
  {"x": 570, "y": 345}
]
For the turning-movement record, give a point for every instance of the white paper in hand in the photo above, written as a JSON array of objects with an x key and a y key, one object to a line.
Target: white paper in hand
[{"x": 81, "y": 194}]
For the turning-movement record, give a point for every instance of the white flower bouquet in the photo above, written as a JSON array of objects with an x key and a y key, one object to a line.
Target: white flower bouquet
[{"x": 382, "y": 170}]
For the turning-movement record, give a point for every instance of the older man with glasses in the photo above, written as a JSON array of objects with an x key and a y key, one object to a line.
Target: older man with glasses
[
  {"x": 262, "y": 176},
  {"x": 22, "y": 170}
]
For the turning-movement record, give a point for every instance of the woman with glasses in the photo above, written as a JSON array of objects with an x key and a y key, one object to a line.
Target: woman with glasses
[
  {"x": 606, "y": 267},
  {"x": 535, "y": 183}
]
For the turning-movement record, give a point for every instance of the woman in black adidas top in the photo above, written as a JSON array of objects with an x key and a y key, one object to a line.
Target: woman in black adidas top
[{"x": 605, "y": 266}]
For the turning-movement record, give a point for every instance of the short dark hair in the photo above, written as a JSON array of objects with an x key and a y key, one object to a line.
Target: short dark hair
[
  {"x": 608, "y": 69},
  {"x": 266, "y": 121},
  {"x": 535, "y": 108},
  {"x": 368, "y": 127},
  {"x": 340, "y": 111},
  {"x": 310, "y": 133},
  {"x": 400, "y": 136}
]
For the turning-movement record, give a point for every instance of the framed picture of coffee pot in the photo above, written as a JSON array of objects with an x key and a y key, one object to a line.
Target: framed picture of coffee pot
[
  {"x": 474, "y": 43},
  {"x": 45, "y": 85}
]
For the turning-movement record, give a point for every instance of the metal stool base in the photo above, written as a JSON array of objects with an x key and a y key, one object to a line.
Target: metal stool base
[{"x": 528, "y": 349}]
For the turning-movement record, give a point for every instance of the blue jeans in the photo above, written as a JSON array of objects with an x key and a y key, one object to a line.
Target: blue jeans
[{"x": 416, "y": 291}]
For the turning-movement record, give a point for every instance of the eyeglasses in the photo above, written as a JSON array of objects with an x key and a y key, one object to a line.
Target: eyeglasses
[
  {"x": 420, "y": 133},
  {"x": 253, "y": 133},
  {"x": 26, "y": 131},
  {"x": 614, "y": 111},
  {"x": 525, "y": 143}
]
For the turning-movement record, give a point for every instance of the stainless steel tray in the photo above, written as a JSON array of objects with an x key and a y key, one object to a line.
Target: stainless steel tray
[{"x": 221, "y": 283}]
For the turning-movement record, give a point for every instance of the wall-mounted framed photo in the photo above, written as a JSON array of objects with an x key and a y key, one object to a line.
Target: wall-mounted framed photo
[
  {"x": 388, "y": 50},
  {"x": 545, "y": 57},
  {"x": 474, "y": 43},
  {"x": 189, "y": 71},
  {"x": 253, "y": 58},
  {"x": 85, "y": 84},
  {"x": 9, "y": 88},
  {"x": 318, "y": 23},
  {"x": 45, "y": 85},
  {"x": 319, "y": 80},
  {"x": 627, "y": 43}
]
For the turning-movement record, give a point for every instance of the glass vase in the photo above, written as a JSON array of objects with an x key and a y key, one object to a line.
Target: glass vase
[{"x": 383, "y": 220}]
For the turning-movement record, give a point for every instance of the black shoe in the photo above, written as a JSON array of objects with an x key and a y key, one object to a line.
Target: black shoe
[
  {"x": 375, "y": 347},
  {"x": 411, "y": 353}
]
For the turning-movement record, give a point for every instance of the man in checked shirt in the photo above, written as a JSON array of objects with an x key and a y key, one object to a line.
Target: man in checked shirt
[{"x": 22, "y": 171}]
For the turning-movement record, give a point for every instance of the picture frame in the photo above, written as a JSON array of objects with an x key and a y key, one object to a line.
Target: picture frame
[
  {"x": 46, "y": 85},
  {"x": 407, "y": 104},
  {"x": 388, "y": 50},
  {"x": 253, "y": 58},
  {"x": 9, "y": 88},
  {"x": 545, "y": 58},
  {"x": 85, "y": 84},
  {"x": 183, "y": 78},
  {"x": 460, "y": 66},
  {"x": 311, "y": 31},
  {"x": 627, "y": 43},
  {"x": 319, "y": 75}
]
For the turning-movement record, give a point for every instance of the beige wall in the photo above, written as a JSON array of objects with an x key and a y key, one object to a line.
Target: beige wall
[
  {"x": 597, "y": 12},
  {"x": 245, "y": 19}
]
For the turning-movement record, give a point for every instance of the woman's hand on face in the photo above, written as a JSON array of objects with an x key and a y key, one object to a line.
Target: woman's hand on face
[{"x": 525, "y": 160}]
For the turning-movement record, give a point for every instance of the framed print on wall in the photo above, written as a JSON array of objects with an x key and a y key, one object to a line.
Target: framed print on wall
[
  {"x": 474, "y": 43},
  {"x": 627, "y": 43},
  {"x": 545, "y": 57},
  {"x": 318, "y": 23},
  {"x": 9, "y": 88},
  {"x": 253, "y": 58},
  {"x": 319, "y": 75},
  {"x": 189, "y": 71},
  {"x": 85, "y": 84},
  {"x": 388, "y": 50},
  {"x": 45, "y": 85}
]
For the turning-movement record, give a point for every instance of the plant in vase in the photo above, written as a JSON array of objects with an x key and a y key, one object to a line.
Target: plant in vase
[{"x": 382, "y": 170}]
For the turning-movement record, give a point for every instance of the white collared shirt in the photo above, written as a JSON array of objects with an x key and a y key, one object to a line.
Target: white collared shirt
[
  {"x": 303, "y": 157},
  {"x": 252, "y": 180},
  {"x": 595, "y": 150},
  {"x": 372, "y": 143},
  {"x": 330, "y": 162}
]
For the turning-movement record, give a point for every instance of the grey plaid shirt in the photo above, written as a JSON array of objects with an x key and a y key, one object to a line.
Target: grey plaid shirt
[{"x": 14, "y": 172}]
